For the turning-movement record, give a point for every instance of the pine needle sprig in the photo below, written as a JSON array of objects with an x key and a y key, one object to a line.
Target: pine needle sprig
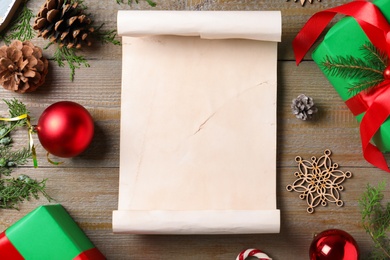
[
  {"x": 16, "y": 190},
  {"x": 129, "y": 2},
  {"x": 106, "y": 36},
  {"x": 365, "y": 73},
  {"x": 373, "y": 55},
  {"x": 20, "y": 28},
  {"x": 376, "y": 219},
  {"x": 73, "y": 60}
]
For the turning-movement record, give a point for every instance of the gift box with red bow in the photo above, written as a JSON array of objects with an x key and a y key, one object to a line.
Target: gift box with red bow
[
  {"x": 354, "y": 56},
  {"x": 47, "y": 232}
]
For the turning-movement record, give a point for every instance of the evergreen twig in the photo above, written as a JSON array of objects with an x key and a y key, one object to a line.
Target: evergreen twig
[
  {"x": 129, "y": 2},
  {"x": 9, "y": 158},
  {"x": 365, "y": 73},
  {"x": 73, "y": 60},
  {"x": 20, "y": 28},
  {"x": 376, "y": 219},
  {"x": 16, "y": 190},
  {"x": 106, "y": 36}
]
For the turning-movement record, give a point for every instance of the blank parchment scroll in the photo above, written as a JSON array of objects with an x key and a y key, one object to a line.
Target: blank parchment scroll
[{"x": 198, "y": 122}]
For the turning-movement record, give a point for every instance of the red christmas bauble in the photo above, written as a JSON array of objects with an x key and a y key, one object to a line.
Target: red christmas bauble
[
  {"x": 65, "y": 129},
  {"x": 386, "y": 73},
  {"x": 334, "y": 244}
]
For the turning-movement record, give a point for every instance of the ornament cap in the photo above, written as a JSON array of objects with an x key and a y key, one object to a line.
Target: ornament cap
[{"x": 386, "y": 73}]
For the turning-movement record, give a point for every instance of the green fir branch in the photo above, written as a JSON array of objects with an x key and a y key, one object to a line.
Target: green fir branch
[
  {"x": 376, "y": 219},
  {"x": 73, "y": 60},
  {"x": 16, "y": 190},
  {"x": 349, "y": 67},
  {"x": 364, "y": 73},
  {"x": 374, "y": 56},
  {"x": 20, "y": 28},
  {"x": 129, "y": 2},
  {"x": 364, "y": 85}
]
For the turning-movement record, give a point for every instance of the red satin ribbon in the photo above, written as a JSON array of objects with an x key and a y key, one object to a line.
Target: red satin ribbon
[
  {"x": 375, "y": 105},
  {"x": 368, "y": 15},
  {"x": 363, "y": 100},
  {"x": 7, "y": 249},
  {"x": 90, "y": 254}
]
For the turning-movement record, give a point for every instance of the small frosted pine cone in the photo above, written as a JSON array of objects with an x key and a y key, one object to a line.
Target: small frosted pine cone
[
  {"x": 63, "y": 22},
  {"x": 303, "y": 107},
  {"x": 22, "y": 67}
]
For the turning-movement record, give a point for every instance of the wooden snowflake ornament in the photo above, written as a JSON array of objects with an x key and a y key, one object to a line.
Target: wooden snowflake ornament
[
  {"x": 303, "y": 1},
  {"x": 319, "y": 181}
]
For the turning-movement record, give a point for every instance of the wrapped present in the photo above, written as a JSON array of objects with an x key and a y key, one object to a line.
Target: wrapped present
[
  {"x": 354, "y": 56},
  {"x": 47, "y": 232}
]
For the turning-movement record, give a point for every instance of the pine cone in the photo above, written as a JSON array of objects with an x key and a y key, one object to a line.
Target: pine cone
[
  {"x": 22, "y": 67},
  {"x": 303, "y": 107},
  {"x": 64, "y": 22}
]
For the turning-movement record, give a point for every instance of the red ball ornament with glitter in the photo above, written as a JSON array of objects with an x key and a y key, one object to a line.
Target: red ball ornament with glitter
[
  {"x": 334, "y": 244},
  {"x": 65, "y": 129}
]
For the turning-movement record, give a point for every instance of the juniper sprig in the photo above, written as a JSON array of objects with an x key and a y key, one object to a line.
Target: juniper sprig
[
  {"x": 16, "y": 190},
  {"x": 376, "y": 220},
  {"x": 20, "y": 28}
]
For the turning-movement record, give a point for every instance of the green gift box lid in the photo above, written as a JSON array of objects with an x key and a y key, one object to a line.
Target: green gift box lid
[
  {"x": 346, "y": 38},
  {"x": 49, "y": 232}
]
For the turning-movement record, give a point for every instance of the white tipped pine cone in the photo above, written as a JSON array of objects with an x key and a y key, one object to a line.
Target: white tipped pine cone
[
  {"x": 22, "y": 67},
  {"x": 303, "y": 107}
]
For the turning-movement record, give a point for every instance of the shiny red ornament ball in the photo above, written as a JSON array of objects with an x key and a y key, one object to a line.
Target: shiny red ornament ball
[
  {"x": 65, "y": 129},
  {"x": 386, "y": 73},
  {"x": 334, "y": 244}
]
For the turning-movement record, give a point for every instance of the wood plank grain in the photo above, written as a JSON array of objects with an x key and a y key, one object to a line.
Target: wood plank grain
[{"x": 87, "y": 185}]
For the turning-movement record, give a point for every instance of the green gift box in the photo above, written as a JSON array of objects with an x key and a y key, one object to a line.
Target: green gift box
[
  {"x": 345, "y": 38},
  {"x": 47, "y": 232}
]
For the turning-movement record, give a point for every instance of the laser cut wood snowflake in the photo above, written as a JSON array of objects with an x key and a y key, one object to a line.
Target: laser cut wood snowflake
[
  {"x": 319, "y": 181},
  {"x": 303, "y": 1}
]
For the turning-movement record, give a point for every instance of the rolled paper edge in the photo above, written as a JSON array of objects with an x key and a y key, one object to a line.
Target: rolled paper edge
[
  {"x": 196, "y": 222},
  {"x": 252, "y": 25}
]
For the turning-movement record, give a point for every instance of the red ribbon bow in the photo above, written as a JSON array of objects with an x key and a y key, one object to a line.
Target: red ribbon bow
[{"x": 375, "y": 106}]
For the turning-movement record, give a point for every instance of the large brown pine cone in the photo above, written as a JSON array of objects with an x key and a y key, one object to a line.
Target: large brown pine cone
[
  {"x": 22, "y": 67},
  {"x": 63, "y": 22}
]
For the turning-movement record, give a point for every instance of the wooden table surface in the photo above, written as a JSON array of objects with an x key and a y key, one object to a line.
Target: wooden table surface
[{"x": 87, "y": 185}]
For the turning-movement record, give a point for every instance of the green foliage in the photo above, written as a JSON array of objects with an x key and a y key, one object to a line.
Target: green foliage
[
  {"x": 129, "y": 2},
  {"x": 105, "y": 36},
  {"x": 20, "y": 28},
  {"x": 364, "y": 73},
  {"x": 16, "y": 190},
  {"x": 9, "y": 158},
  {"x": 376, "y": 220},
  {"x": 73, "y": 60}
]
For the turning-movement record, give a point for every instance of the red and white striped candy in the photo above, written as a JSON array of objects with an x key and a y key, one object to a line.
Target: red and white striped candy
[{"x": 253, "y": 252}]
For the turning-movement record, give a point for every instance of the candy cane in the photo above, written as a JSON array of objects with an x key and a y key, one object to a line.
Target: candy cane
[{"x": 253, "y": 252}]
